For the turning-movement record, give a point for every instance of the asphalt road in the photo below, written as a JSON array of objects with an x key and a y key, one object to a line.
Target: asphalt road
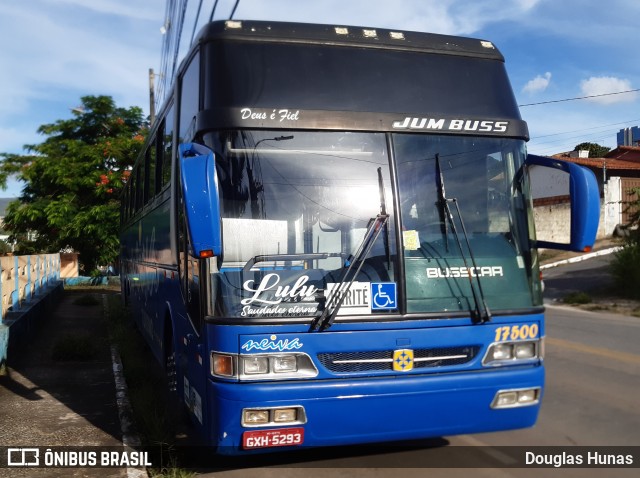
[
  {"x": 591, "y": 399},
  {"x": 591, "y": 276}
]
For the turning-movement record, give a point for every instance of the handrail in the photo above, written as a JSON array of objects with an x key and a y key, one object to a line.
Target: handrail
[{"x": 23, "y": 278}]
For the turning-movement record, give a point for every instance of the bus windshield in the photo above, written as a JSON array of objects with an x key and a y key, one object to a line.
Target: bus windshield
[
  {"x": 453, "y": 186},
  {"x": 296, "y": 206}
]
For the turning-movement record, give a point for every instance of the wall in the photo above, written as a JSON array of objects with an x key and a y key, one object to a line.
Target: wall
[
  {"x": 69, "y": 265},
  {"x": 28, "y": 285},
  {"x": 553, "y": 220}
]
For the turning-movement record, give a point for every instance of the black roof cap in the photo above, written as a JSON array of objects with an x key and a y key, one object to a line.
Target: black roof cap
[{"x": 284, "y": 32}]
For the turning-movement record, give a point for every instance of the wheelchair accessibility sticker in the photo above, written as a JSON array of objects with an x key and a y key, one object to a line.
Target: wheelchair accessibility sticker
[{"x": 384, "y": 296}]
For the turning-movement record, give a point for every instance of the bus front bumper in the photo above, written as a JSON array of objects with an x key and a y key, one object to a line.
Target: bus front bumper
[{"x": 354, "y": 411}]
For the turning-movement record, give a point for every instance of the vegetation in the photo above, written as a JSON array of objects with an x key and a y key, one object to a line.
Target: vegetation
[
  {"x": 73, "y": 182},
  {"x": 626, "y": 263},
  {"x": 153, "y": 411},
  {"x": 595, "y": 150},
  {"x": 576, "y": 298}
]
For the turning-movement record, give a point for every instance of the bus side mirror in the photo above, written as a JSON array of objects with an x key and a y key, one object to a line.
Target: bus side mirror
[
  {"x": 585, "y": 203},
  {"x": 199, "y": 184}
]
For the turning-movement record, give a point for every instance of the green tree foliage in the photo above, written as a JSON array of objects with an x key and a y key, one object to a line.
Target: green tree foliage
[
  {"x": 73, "y": 179},
  {"x": 625, "y": 266},
  {"x": 595, "y": 150}
]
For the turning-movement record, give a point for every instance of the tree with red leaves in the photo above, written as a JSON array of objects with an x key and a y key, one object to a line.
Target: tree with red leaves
[{"x": 73, "y": 181}]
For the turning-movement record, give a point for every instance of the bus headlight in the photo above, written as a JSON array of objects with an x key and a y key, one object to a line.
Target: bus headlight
[
  {"x": 255, "y": 365},
  {"x": 263, "y": 366},
  {"x": 503, "y": 353},
  {"x": 285, "y": 363},
  {"x": 524, "y": 350}
]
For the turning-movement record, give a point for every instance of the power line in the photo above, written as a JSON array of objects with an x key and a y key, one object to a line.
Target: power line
[
  {"x": 234, "y": 10},
  {"x": 580, "y": 98},
  {"x": 588, "y": 129}
]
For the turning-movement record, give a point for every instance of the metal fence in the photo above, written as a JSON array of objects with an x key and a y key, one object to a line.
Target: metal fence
[{"x": 628, "y": 198}]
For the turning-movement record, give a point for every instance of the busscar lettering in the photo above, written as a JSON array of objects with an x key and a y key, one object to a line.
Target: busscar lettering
[
  {"x": 457, "y": 272},
  {"x": 479, "y": 125}
]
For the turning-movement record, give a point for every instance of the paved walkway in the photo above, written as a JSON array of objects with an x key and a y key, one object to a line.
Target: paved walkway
[{"x": 49, "y": 398}]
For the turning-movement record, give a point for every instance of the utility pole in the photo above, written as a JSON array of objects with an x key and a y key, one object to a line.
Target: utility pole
[{"x": 152, "y": 98}]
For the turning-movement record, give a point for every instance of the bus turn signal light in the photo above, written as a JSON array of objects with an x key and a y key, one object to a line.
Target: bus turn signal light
[{"x": 222, "y": 365}]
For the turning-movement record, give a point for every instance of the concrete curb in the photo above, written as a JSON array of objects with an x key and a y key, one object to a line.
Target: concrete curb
[
  {"x": 581, "y": 258},
  {"x": 130, "y": 438}
]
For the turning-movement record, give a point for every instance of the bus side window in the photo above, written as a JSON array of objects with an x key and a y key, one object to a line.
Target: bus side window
[
  {"x": 189, "y": 99},
  {"x": 150, "y": 183},
  {"x": 167, "y": 147},
  {"x": 140, "y": 180},
  {"x": 134, "y": 192}
]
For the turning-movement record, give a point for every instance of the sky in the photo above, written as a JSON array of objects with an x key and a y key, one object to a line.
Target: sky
[{"x": 53, "y": 52}]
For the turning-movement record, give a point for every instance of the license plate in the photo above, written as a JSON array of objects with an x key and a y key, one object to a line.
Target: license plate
[{"x": 272, "y": 438}]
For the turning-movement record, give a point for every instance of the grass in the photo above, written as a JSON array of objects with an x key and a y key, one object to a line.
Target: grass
[
  {"x": 147, "y": 389},
  {"x": 576, "y": 298}
]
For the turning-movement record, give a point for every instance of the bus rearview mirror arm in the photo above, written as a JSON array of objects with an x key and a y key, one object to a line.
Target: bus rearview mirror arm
[
  {"x": 585, "y": 203},
  {"x": 199, "y": 184}
]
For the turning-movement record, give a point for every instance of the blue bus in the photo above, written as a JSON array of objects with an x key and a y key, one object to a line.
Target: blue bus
[{"x": 329, "y": 238}]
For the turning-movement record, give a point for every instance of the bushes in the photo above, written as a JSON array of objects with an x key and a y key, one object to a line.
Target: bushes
[{"x": 625, "y": 268}]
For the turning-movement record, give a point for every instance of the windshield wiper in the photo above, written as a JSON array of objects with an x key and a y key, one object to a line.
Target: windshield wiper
[
  {"x": 383, "y": 212},
  {"x": 483, "y": 314},
  {"x": 442, "y": 203},
  {"x": 341, "y": 290}
]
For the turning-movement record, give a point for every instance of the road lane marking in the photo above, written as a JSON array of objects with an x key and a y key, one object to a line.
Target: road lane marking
[
  {"x": 632, "y": 359},
  {"x": 488, "y": 450}
]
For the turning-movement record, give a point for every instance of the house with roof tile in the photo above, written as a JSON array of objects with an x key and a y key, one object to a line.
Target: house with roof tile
[{"x": 618, "y": 173}]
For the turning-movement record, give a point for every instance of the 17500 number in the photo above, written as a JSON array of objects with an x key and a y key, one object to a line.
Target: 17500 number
[{"x": 517, "y": 332}]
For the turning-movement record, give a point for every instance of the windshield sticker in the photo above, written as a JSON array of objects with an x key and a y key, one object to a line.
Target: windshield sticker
[
  {"x": 455, "y": 272},
  {"x": 278, "y": 115},
  {"x": 271, "y": 298},
  {"x": 273, "y": 344},
  {"x": 357, "y": 301},
  {"x": 384, "y": 296},
  {"x": 411, "y": 240}
]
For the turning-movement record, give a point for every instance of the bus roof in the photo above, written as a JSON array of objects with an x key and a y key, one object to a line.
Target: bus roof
[{"x": 283, "y": 32}]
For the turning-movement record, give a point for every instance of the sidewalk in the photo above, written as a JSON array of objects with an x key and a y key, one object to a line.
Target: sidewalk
[
  {"x": 552, "y": 258},
  {"x": 60, "y": 390}
]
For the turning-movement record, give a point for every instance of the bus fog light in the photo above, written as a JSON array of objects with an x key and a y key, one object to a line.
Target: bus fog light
[
  {"x": 255, "y": 417},
  {"x": 525, "y": 350},
  {"x": 521, "y": 397},
  {"x": 285, "y": 415},
  {"x": 506, "y": 399},
  {"x": 527, "y": 396},
  {"x": 285, "y": 363},
  {"x": 502, "y": 351},
  {"x": 255, "y": 365}
]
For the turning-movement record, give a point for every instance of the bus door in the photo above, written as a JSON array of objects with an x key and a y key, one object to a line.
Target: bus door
[{"x": 191, "y": 339}]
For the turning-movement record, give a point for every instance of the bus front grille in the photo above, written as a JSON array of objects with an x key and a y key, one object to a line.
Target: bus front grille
[{"x": 381, "y": 361}]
